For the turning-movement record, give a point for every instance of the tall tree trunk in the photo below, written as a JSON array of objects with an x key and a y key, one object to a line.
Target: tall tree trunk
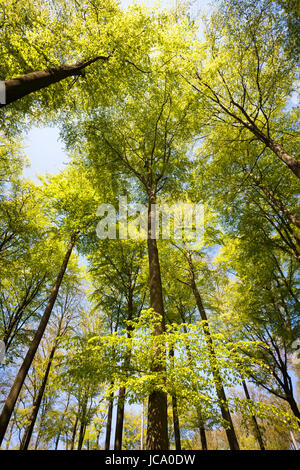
[
  {"x": 157, "y": 429},
  {"x": 109, "y": 421},
  {"x": 176, "y": 424},
  {"x": 19, "y": 87},
  {"x": 230, "y": 431},
  {"x": 257, "y": 432},
  {"x": 120, "y": 419},
  {"x": 201, "y": 430},
  {"x": 74, "y": 432},
  {"x": 16, "y": 388}
]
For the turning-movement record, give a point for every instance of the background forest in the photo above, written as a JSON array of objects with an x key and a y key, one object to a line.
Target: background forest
[{"x": 128, "y": 343}]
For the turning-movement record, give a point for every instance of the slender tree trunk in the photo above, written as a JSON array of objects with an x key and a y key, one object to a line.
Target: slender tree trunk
[
  {"x": 10, "y": 434},
  {"x": 16, "y": 388},
  {"x": 81, "y": 435},
  {"x": 202, "y": 436},
  {"x": 257, "y": 432},
  {"x": 57, "y": 440},
  {"x": 83, "y": 420},
  {"x": 39, "y": 432},
  {"x": 201, "y": 430},
  {"x": 230, "y": 431},
  {"x": 142, "y": 426},
  {"x": 19, "y": 87},
  {"x": 37, "y": 439},
  {"x": 36, "y": 405},
  {"x": 74, "y": 432},
  {"x": 120, "y": 419},
  {"x": 109, "y": 421},
  {"x": 198, "y": 410},
  {"x": 122, "y": 390},
  {"x": 157, "y": 429},
  {"x": 61, "y": 427},
  {"x": 176, "y": 424}
]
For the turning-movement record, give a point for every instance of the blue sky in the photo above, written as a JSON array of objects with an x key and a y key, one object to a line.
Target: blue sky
[{"x": 44, "y": 151}]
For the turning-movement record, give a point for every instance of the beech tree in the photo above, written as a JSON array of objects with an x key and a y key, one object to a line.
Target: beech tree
[{"x": 251, "y": 95}]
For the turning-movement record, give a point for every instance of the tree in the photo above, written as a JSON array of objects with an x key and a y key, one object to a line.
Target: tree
[
  {"x": 67, "y": 305},
  {"x": 250, "y": 96},
  {"x": 16, "y": 388},
  {"x": 148, "y": 148}
]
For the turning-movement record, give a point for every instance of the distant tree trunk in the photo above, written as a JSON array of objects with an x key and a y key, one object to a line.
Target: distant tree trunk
[
  {"x": 40, "y": 427},
  {"x": 257, "y": 432},
  {"x": 37, "y": 439},
  {"x": 176, "y": 424},
  {"x": 10, "y": 434},
  {"x": 201, "y": 430},
  {"x": 16, "y": 388},
  {"x": 202, "y": 437},
  {"x": 74, "y": 432},
  {"x": 157, "y": 430},
  {"x": 57, "y": 440},
  {"x": 122, "y": 390},
  {"x": 230, "y": 432},
  {"x": 19, "y": 87},
  {"x": 83, "y": 420},
  {"x": 120, "y": 419},
  {"x": 142, "y": 426},
  {"x": 12, "y": 327},
  {"x": 81, "y": 435},
  {"x": 109, "y": 420},
  {"x": 198, "y": 410},
  {"x": 36, "y": 405},
  {"x": 61, "y": 427}
]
